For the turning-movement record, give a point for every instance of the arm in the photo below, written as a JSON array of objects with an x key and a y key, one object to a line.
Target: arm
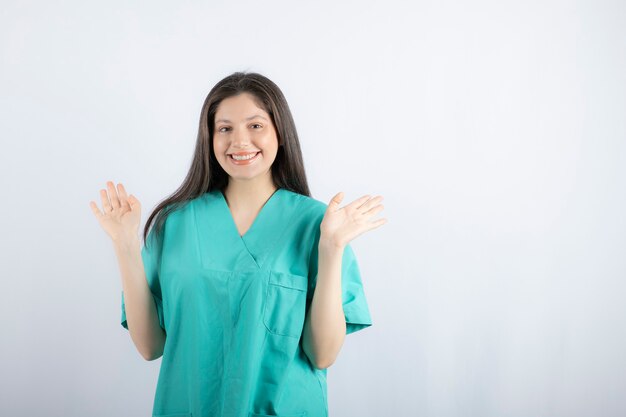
[
  {"x": 325, "y": 327},
  {"x": 141, "y": 313}
]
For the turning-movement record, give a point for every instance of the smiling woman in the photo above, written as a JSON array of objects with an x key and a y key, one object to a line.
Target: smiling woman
[
  {"x": 245, "y": 137},
  {"x": 246, "y": 285}
]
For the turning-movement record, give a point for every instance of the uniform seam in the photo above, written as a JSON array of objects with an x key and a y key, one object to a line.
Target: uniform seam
[{"x": 319, "y": 382}]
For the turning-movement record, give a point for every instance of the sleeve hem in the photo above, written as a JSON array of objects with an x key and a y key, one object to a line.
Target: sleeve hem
[
  {"x": 355, "y": 327},
  {"x": 159, "y": 307}
]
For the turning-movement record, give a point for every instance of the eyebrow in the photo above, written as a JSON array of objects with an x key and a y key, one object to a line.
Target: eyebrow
[{"x": 249, "y": 118}]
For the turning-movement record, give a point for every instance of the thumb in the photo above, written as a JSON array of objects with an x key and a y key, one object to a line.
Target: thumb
[
  {"x": 134, "y": 203},
  {"x": 334, "y": 202}
]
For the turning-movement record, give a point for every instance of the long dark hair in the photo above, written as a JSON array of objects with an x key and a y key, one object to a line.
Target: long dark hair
[{"x": 206, "y": 174}]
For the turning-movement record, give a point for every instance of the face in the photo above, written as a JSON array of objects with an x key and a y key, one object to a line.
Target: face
[{"x": 242, "y": 129}]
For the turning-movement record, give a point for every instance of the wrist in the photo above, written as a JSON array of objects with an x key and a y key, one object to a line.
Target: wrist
[
  {"x": 330, "y": 245},
  {"x": 126, "y": 243}
]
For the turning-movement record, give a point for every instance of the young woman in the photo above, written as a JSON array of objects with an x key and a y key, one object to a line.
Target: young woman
[{"x": 246, "y": 285}]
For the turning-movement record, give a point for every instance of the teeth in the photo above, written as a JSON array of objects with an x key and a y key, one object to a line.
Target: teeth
[{"x": 242, "y": 158}]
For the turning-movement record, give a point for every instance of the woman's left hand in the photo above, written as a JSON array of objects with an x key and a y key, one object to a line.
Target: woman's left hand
[{"x": 340, "y": 225}]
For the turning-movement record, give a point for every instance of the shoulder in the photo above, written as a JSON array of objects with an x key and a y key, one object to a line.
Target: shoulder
[
  {"x": 306, "y": 205},
  {"x": 183, "y": 211}
]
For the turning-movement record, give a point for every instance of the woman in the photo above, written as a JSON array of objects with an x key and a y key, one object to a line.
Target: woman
[{"x": 246, "y": 286}]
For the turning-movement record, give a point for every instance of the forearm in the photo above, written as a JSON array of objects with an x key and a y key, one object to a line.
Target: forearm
[
  {"x": 325, "y": 326},
  {"x": 141, "y": 313}
]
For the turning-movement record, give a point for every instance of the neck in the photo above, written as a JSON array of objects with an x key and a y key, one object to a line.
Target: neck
[{"x": 248, "y": 193}]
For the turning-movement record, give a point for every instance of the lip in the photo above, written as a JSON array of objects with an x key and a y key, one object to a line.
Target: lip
[
  {"x": 245, "y": 161},
  {"x": 243, "y": 153}
]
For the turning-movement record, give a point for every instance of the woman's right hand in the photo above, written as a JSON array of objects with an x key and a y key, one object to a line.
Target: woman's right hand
[{"x": 121, "y": 213}]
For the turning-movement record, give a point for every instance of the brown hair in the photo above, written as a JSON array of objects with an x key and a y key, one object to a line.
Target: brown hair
[{"x": 206, "y": 174}]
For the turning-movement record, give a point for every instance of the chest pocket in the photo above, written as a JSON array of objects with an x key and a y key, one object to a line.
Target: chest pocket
[{"x": 285, "y": 304}]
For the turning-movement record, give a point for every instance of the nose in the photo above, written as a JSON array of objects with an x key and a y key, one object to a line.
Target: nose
[{"x": 241, "y": 140}]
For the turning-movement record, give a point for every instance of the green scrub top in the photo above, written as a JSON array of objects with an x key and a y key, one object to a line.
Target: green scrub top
[{"x": 233, "y": 308}]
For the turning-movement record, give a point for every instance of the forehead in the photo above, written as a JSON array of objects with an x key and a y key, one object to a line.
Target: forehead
[{"x": 240, "y": 107}]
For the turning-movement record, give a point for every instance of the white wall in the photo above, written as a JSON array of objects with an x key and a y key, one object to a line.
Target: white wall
[{"x": 494, "y": 131}]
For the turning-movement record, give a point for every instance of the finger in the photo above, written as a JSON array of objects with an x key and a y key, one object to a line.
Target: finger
[
  {"x": 134, "y": 203},
  {"x": 376, "y": 224},
  {"x": 374, "y": 210},
  {"x": 123, "y": 197},
  {"x": 371, "y": 202},
  {"x": 106, "y": 204},
  {"x": 95, "y": 210},
  {"x": 358, "y": 202},
  {"x": 335, "y": 201},
  {"x": 115, "y": 201}
]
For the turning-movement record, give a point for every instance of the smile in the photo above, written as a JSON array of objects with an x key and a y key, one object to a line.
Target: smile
[{"x": 244, "y": 159}]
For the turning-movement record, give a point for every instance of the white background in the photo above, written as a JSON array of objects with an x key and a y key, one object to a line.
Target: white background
[{"x": 495, "y": 131}]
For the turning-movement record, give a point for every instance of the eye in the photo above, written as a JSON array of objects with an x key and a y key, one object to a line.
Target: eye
[
  {"x": 220, "y": 129},
  {"x": 256, "y": 124}
]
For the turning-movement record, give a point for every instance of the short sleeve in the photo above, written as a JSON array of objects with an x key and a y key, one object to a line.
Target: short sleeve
[
  {"x": 355, "y": 306},
  {"x": 354, "y": 302},
  {"x": 151, "y": 258}
]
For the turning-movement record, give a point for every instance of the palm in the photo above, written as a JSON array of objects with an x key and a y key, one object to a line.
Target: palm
[
  {"x": 122, "y": 218},
  {"x": 341, "y": 225},
  {"x": 121, "y": 213}
]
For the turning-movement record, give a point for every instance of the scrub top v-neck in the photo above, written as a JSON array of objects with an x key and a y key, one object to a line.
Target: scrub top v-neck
[
  {"x": 233, "y": 308},
  {"x": 223, "y": 197},
  {"x": 262, "y": 232}
]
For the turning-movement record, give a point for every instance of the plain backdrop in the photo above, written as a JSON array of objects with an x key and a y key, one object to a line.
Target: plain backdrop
[{"x": 494, "y": 130}]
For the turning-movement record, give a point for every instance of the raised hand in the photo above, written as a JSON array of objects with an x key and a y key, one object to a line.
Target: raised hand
[
  {"x": 121, "y": 214},
  {"x": 340, "y": 225}
]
